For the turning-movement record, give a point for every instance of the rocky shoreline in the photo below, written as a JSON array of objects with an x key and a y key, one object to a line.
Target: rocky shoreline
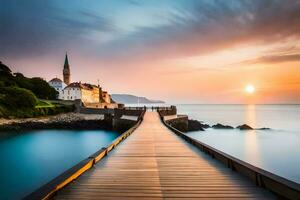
[{"x": 62, "y": 121}]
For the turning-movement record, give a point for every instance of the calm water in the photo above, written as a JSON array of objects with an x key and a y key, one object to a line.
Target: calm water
[
  {"x": 31, "y": 159},
  {"x": 276, "y": 150}
]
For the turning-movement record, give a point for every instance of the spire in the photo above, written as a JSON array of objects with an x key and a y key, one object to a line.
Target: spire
[
  {"x": 66, "y": 65},
  {"x": 66, "y": 71}
]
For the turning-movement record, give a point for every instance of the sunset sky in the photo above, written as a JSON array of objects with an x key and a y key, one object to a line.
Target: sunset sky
[{"x": 180, "y": 51}]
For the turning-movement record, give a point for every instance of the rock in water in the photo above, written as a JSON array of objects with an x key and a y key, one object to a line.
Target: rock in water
[
  {"x": 195, "y": 125},
  {"x": 221, "y": 126},
  {"x": 205, "y": 125},
  {"x": 264, "y": 128},
  {"x": 244, "y": 127}
]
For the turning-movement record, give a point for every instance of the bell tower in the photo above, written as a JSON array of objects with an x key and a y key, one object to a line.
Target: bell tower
[{"x": 66, "y": 71}]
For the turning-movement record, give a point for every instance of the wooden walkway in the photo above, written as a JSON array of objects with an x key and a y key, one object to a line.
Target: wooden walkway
[{"x": 154, "y": 163}]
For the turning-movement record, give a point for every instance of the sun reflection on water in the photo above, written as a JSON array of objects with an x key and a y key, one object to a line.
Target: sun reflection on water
[{"x": 251, "y": 143}]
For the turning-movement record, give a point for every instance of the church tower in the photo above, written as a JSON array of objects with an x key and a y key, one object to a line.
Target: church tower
[{"x": 66, "y": 71}]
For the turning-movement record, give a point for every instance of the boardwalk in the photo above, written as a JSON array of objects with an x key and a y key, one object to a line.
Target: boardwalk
[{"x": 154, "y": 163}]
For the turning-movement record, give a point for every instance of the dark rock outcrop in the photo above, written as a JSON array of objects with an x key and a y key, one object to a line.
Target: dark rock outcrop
[
  {"x": 195, "y": 125},
  {"x": 244, "y": 127},
  {"x": 179, "y": 125},
  {"x": 264, "y": 128},
  {"x": 221, "y": 126}
]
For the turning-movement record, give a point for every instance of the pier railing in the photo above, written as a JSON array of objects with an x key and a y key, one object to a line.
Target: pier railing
[
  {"x": 130, "y": 110},
  {"x": 280, "y": 186},
  {"x": 157, "y": 108},
  {"x": 50, "y": 188}
]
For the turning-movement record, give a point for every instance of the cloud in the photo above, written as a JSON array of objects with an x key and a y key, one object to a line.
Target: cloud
[
  {"x": 271, "y": 59},
  {"x": 34, "y": 27},
  {"x": 193, "y": 27},
  {"x": 208, "y": 26}
]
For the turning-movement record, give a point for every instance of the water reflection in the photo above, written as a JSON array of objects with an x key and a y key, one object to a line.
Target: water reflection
[{"x": 251, "y": 143}]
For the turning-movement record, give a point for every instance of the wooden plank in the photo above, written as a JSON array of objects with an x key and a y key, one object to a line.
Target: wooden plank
[{"x": 154, "y": 163}]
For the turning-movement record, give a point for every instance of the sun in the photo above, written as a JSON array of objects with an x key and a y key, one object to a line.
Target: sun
[{"x": 250, "y": 89}]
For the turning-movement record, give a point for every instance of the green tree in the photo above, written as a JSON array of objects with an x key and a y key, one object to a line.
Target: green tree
[
  {"x": 37, "y": 85},
  {"x": 22, "y": 81},
  {"x": 42, "y": 89},
  {"x": 16, "y": 98},
  {"x": 6, "y": 77}
]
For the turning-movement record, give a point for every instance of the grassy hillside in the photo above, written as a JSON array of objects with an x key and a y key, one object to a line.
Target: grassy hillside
[{"x": 19, "y": 96}]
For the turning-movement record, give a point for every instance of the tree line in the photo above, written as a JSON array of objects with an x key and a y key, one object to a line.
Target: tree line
[{"x": 18, "y": 92}]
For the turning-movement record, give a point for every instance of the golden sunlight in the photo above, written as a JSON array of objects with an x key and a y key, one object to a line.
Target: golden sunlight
[{"x": 250, "y": 89}]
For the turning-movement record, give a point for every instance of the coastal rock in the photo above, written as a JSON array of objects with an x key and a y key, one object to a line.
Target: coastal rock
[
  {"x": 195, "y": 125},
  {"x": 264, "y": 128},
  {"x": 221, "y": 126},
  {"x": 179, "y": 125},
  {"x": 62, "y": 121},
  {"x": 244, "y": 127},
  {"x": 205, "y": 126}
]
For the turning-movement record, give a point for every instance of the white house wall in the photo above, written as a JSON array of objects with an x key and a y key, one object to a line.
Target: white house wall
[
  {"x": 58, "y": 86},
  {"x": 70, "y": 93}
]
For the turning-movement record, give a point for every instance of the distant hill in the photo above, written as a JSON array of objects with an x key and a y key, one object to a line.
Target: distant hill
[{"x": 131, "y": 99}]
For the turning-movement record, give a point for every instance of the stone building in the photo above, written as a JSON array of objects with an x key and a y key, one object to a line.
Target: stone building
[
  {"x": 106, "y": 97},
  {"x": 86, "y": 92}
]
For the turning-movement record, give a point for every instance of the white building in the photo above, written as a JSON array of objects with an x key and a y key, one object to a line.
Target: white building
[{"x": 58, "y": 85}]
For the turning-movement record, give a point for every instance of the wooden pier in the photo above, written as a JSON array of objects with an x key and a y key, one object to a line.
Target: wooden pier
[{"x": 154, "y": 163}]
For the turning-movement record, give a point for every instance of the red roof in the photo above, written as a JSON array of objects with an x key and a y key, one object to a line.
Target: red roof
[{"x": 82, "y": 85}]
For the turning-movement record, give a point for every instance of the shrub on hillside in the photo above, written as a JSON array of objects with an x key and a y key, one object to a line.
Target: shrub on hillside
[
  {"x": 17, "y": 98},
  {"x": 23, "y": 81},
  {"x": 6, "y": 77},
  {"x": 37, "y": 85},
  {"x": 4, "y": 69},
  {"x": 42, "y": 89}
]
